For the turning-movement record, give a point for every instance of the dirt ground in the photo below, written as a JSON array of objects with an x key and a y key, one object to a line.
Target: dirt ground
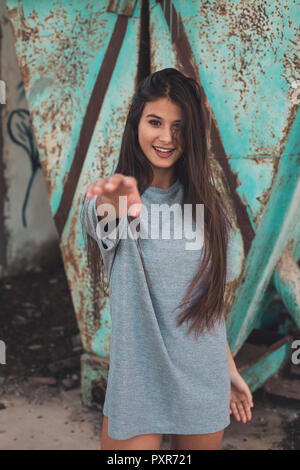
[{"x": 40, "y": 395}]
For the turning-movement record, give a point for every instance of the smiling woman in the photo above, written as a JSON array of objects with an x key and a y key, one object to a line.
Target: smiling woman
[{"x": 163, "y": 379}]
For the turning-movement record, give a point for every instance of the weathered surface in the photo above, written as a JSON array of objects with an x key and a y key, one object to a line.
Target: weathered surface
[{"x": 79, "y": 81}]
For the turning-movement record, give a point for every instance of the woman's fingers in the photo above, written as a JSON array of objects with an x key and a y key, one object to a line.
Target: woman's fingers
[
  {"x": 94, "y": 188},
  {"x": 235, "y": 411},
  {"x": 90, "y": 192},
  {"x": 129, "y": 182},
  {"x": 118, "y": 184},
  {"x": 108, "y": 184},
  {"x": 249, "y": 397},
  {"x": 241, "y": 410},
  {"x": 249, "y": 415},
  {"x": 111, "y": 184},
  {"x": 247, "y": 410},
  {"x": 98, "y": 187}
]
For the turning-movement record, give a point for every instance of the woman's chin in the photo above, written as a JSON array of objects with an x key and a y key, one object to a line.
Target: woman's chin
[{"x": 162, "y": 164}]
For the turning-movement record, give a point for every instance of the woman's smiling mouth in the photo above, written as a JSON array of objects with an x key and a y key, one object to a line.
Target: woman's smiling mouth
[{"x": 161, "y": 152}]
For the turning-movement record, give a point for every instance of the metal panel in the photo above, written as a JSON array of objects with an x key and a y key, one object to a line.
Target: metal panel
[
  {"x": 243, "y": 56},
  {"x": 79, "y": 82}
]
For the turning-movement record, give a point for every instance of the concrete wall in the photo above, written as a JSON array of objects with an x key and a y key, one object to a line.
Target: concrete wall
[{"x": 28, "y": 235}]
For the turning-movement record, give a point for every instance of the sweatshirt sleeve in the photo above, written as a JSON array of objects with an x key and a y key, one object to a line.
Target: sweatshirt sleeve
[{"x": 107, "y": 235}]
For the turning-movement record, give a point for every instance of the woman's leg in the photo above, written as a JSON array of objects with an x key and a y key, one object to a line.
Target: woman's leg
[
  {"x": 212, "y": 441},
  {"x": 140, "y": 442}
]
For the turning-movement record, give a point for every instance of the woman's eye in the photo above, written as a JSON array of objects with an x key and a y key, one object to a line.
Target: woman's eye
[{"x": 177, "y": 126}]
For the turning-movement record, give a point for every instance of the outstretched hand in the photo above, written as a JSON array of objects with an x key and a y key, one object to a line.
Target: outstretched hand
[{"x": 109, "y": 190}]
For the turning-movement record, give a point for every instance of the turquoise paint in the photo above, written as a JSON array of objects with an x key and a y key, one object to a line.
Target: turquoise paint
[
  {"x": 250, "y": 120},
  {"x": 242, "y": 69},
  {"x": 278, "y": 225},
  {"x": 247, "y": 80},
  {"x": 126, "y": 6},
  {"x": 100, "y": 161},
  {"x": 247, "y": 71},
  {"x": 289, "y": 291},
  {"x": 162, "y": 57},
  {"x": 257, "y": 374},
  {"x": 74, "y": 56},
  {"x": 85, "y": 49},
  {"x": 265, "y": 317},
  {"x": 257, "y": 180},
  {"x": 101, "y": 337}
]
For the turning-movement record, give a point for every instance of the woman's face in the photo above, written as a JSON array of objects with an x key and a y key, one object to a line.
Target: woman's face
[{"x": 160, "y": 127}]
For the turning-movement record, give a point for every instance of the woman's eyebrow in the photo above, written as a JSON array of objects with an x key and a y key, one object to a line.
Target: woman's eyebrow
[{"x": 154, "y": 115}]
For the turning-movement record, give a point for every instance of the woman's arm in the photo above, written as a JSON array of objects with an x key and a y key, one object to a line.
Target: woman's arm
[
  {"x": 231, "y": 362},
  {"x": 241, "y": 399}
]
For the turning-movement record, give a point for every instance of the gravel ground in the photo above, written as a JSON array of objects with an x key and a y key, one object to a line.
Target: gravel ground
[{"x": 40, "y": 395}]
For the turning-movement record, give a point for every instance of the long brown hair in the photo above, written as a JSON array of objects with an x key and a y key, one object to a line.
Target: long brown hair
[{"x": 194, "y": 171}]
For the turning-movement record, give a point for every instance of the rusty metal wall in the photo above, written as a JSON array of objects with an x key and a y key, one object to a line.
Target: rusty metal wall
[{"x": 80, "y": 65}]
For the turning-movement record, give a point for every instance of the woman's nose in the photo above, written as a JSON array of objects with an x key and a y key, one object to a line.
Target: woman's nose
[{"x": 166, "y": 136}]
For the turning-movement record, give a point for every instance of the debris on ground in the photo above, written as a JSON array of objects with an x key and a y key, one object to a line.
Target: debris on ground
[{"x": 40, "y": 391}]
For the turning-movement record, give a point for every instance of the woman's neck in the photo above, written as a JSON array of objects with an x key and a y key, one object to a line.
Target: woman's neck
[{"x": 163, "y": 182}]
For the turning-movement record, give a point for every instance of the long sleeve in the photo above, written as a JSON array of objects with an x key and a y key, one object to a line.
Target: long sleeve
[{"x": 106, "y": 235}]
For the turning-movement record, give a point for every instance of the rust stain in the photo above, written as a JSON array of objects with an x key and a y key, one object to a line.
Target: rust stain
[
  {"x": 90, "y": 119},
  {"x": 287, "y": 128},
  {"x": 263, "y": 199},
  {"x": 289, "y": 272},
  {"x": 63, "y": 68},
  {"x": 126, "y": 8},
  {"x": 265, "y": 195}
]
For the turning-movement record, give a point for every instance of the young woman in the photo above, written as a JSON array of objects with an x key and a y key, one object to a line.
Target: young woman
[{"x": 168, "y": 374}]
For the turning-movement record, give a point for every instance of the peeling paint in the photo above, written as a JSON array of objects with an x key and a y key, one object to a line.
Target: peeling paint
[{"x": 241, "y": 54}]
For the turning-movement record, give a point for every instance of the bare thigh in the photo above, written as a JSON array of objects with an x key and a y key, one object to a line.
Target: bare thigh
[
  {"x": 140, "y": 442},
  {"x": 212, "y": 441}
]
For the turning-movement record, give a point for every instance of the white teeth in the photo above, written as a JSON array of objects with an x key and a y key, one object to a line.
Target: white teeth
[{"x": 163, "y": 150}]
